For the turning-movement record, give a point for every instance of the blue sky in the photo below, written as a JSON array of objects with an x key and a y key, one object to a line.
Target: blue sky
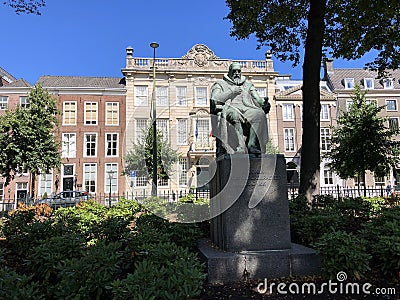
[{"x": 89, "y": 38}]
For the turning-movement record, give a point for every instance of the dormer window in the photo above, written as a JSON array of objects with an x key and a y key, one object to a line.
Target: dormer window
[
  {"x": 369, "y": 83},
  {"x": 349, "y": 83},
  {"x": 387, "y": 83}
]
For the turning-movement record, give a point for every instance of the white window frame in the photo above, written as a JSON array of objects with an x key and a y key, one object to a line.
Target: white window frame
[
  {"x": 114, "y": 180},
  {"x": 24, "y": 103},
  {"x": 92, "y": 108},
  {"x": 328, "y": 176},
  {"x": 90, "y": 177},
  {"x": 348, "y": 104},
  {"x": 86, "y": 142},
  {"x": 163, "y": 126},
  {"x": 202, "y": 133},
  {"x": 369, "y": 83},
  {"x": 397, "y": 122},
  {"x": 325, "y": 138},
  {"x": 262, "y": 91},
  {"x": 111, "y": 143},
  {"x": 162, "y": 96},
  {"x": 45, "y": 183},
  {"x": 388, "y": 83},
  {"x": 3, "y": 102},
  {"x": 112, "y": 113},
  {"x": 287, "y": 112},
  {"x": 201, "y": 100},
  {"x": 349, "y": 83},
  {"x": 182, "y": 171},
  {"x": 325, "y": 112},
  {"x": 289, "y": 139},
  {"x": 68, "y": 145},
  {"x": 69, "y": 113},
  {"x": 391, "y": 101},
  {"x": 141, "y": 125},
  {"x": 181, "y": 96},
  {"x": 182, "y": 131},
  {"x": 141, "y": 95}
]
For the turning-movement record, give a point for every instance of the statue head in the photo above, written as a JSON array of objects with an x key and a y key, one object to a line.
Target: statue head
[{"x": 235, "y": 72}]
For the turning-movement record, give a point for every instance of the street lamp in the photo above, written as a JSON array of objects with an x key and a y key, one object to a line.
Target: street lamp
[
  {"x": 154, "y": 45},
  {"x": 110, "y": 176}
]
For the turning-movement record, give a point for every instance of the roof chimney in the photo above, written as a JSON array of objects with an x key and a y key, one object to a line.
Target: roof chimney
[{"x": 328, "y": 69}]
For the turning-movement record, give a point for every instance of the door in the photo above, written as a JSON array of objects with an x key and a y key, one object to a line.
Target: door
[{"x": 68, "y": 184}]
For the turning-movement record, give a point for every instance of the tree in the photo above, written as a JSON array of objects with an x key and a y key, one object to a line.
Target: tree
[
  {"x": 27, "y": 138},
  {"x": 140, "y": 158},
  {"x": 26, "y": 6},
  {"x": 347, "y": 29},
  {"x": 362, "y": 142}
]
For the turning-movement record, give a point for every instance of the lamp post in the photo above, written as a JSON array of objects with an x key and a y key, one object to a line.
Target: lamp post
[
  {"x": 154, "y": 45},
  {"x": 110, "y": 176}
]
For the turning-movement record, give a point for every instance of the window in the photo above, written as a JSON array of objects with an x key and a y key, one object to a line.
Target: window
[
  {"x": 324, "y": 112},
  {"x": 89, "y": 177},
  {"x": 112, "y": 113},
  {"x": 181, "y": 99},
  {"x": 45, "y": 184},
  {"x": 287, "y": 112},
  {"x": 141, "y": 96},
  {"x": 3, "y": 102},
  {"x": 325, "y": 139},
  {"x": 202, "y": 132},
  {"x": 111, "y": 177},
  {"x": 141, "y": 181},
  {"x": 162, "y": 96},
  {"x": 90, "y": 145},
  {"x": 69, "y": 113},
  {"x": 182, "y": 171},
  {"x": 111, "y": 144},
  {"x": 348, "y": 104},
  {"x": 23, "y": 101},
  {"x": 372, "y": 101},
  {"x": 262, "y": 92},
  {"x": 393, "y": 123},
  {"x": 349, "y": 83},
  {"x": 201, "y": 96},
  {"x": 369, "y": 83},
  {"x": 162, "y": 126},
  {"x": 68, "y": 145},
  {"x": 288, "y": 136},
  {"x": 140, "y": 129},
  {"x": 90, "y": 113},
  {"x": 379, "y": 181},
  {"x": 162, "y": 181},
  {"x": 1, "y": 191},
  {"x": 182, "y": 131},
  {"x": 387, "y": 83},
  {"x": 328, "y": 178},
  {"x": 391, "y": 105}
]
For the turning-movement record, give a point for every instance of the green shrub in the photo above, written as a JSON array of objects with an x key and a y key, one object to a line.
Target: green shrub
[
  {"x": 167, "y": 271},
  {"x": 342, "y": 252},
  {"x": 86, "y": 277},
  {"x": 14, "y": 286},
  {"x": 383, "y": 236}
]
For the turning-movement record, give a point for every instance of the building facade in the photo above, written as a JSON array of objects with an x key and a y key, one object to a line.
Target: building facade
[
  {"x": 182, "y": 103},
  {"x": 383, "y": 91}
]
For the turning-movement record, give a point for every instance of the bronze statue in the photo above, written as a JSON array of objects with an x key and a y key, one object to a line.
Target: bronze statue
[{"x": 240, "y": 124}]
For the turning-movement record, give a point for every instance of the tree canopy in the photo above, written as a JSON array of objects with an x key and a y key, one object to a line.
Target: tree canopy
[
  {"x": 26, "y": 6},
  {"x": 347, "y": 29},
  {"x": 362, "y": 140},
  {"x": 140, "y": 157},
  {"x": 27, "y": 137}
]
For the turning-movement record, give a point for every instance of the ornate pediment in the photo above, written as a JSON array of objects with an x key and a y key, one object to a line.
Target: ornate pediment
[{"x": 201, "y": 54}]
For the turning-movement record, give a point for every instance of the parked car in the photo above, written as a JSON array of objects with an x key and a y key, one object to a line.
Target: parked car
[{"x": 66, "y": 198}]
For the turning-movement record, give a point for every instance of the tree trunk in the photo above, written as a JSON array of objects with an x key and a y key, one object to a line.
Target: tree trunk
[{"x": 310, "y": 151}]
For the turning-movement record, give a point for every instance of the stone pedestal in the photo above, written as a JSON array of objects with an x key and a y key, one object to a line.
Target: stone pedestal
[{"x": 250, "y": 228}]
